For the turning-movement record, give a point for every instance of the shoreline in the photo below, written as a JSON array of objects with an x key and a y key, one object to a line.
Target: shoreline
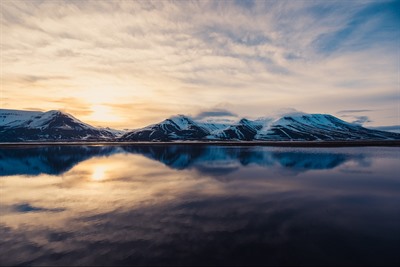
[{"x": 352, "y": 143}]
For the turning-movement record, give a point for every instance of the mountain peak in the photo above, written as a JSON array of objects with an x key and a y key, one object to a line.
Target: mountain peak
[
  {"x": 181, "y": 121},
  {"x": 54, "y": 111},
  {"x": 16, "y": 125}
]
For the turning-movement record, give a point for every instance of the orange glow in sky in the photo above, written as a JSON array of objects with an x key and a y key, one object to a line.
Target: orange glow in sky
[{"x": 126, "y": 64}]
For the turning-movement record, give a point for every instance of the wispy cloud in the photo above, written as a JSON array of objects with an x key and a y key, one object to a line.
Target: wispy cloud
[
  {"x": 215, "y": 112},
  {"x": 316, "y": 56},
  {"x": 26, "y": 207},
  {"x": 361, "y": 120},
  {"x": 354, "y": 111}
]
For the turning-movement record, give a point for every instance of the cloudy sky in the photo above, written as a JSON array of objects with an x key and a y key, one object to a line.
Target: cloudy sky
[{"x": 127, "y": 64}]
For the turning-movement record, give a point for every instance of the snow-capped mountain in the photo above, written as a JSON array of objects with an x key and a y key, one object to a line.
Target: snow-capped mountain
[
  {"x": 53, "y": 125},
  {"x": 295, "y": 127},
  {"x": 175, "y": 128},
  {"x": 16, "y": 126},
  {"x": 242, "y": 130},
  {"x": 318, "y": 127}
]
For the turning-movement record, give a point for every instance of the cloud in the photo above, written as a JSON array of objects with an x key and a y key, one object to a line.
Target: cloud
[
  {"x": 32, "y": 79},
  {"x": 354, "y": 111},
  {"x": 151, "y": 112},
  {"x": 258, "y": 55},
  {"x": 361, "y": 120},
  {"x": 286, "y": 112},
  {"x": 355, "y": 119},
  {"x": 215, "y": 112},
  {"x": 72, "y": 105},
  {"x": 66, "y": 53},
  {"x": 353, "y": 115},
  {"x": 351, "y": 111},
  {"x": 35, "y": 109}
]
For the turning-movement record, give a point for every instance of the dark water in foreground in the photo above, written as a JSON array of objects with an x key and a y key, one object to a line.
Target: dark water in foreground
[{"x": 160, "y": 205}]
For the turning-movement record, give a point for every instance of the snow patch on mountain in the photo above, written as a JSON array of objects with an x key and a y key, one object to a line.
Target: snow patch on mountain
[
  {"x": 115, "y": 132},
  {"x": 12, "y": 118},
  {"x": 181, "y": 121}
]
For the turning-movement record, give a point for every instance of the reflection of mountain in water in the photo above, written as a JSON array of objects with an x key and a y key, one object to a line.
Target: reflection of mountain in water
[
  {"x": 314, "y": 161},
  {"x": 50, "y": 160},
  {"x": 214, "y": 160},
  {"x": 222, "y": 160}
]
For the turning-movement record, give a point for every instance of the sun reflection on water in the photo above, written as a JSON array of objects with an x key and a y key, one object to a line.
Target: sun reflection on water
[
  {"x": 121, "y": 199},
  {"x": 99, "y": 173}
]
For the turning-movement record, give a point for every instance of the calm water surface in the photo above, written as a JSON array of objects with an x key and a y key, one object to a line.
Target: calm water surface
[{"x": 185, "y": 205}]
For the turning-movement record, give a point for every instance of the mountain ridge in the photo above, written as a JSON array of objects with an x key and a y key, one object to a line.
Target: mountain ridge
[
  {"x": 294, "y": 127},
  {"x": 54, "y": 125}
]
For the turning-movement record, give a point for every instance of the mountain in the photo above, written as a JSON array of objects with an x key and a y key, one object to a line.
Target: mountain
[
  {"x": 311, "y": 127},
  {"x": 19, "y": 126},
  {"x": 53, "y": 125},
  {"x": 297, "y": 127},
  {"x": 175, "y": 128},
  {"x": 242, "y": 130}
]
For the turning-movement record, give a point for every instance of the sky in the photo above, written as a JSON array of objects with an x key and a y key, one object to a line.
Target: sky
[{"x": 127, "y": 64}]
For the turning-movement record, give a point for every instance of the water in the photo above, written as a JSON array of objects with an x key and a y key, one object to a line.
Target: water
[{"x": 196, "y": 205}]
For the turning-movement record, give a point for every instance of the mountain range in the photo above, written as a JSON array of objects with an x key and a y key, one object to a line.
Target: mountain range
[{"x": 54, "y": 125}]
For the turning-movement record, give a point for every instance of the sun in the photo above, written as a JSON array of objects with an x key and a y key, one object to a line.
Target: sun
[{"x": 102, "y": 113}]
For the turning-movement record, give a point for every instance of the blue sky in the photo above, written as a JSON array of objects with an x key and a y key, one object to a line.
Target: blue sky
[{"x": 131, "y": 63}]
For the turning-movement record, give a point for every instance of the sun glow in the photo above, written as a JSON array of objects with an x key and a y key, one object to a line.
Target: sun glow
[
  {"x": 99, "y": 173},
  {"x": 103, "y": 113}
]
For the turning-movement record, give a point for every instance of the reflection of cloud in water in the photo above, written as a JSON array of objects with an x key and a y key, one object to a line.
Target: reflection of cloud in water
[
  {"x": 269, "y": 229},
  {"x": 26, "y": 207},
  {"x": 213, "y": 160},
  {"x": 142, "y": 212},
  {"x": 99, "y": 173},
  {"x": 216, "y": 170}
]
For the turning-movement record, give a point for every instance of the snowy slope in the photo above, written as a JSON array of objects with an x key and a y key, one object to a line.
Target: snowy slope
[
  {"x": 13, "y": 118},
  {"x": 114, "y": 132},
  {"x": 214, "y": 126},
  {"x": 392, "y": 128},
  {"x": 16, "y": 125},
  {"x": 317, "y": 127},
  {"x": 175, "y": 128},
  {"x": 296, "y": 127}
]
